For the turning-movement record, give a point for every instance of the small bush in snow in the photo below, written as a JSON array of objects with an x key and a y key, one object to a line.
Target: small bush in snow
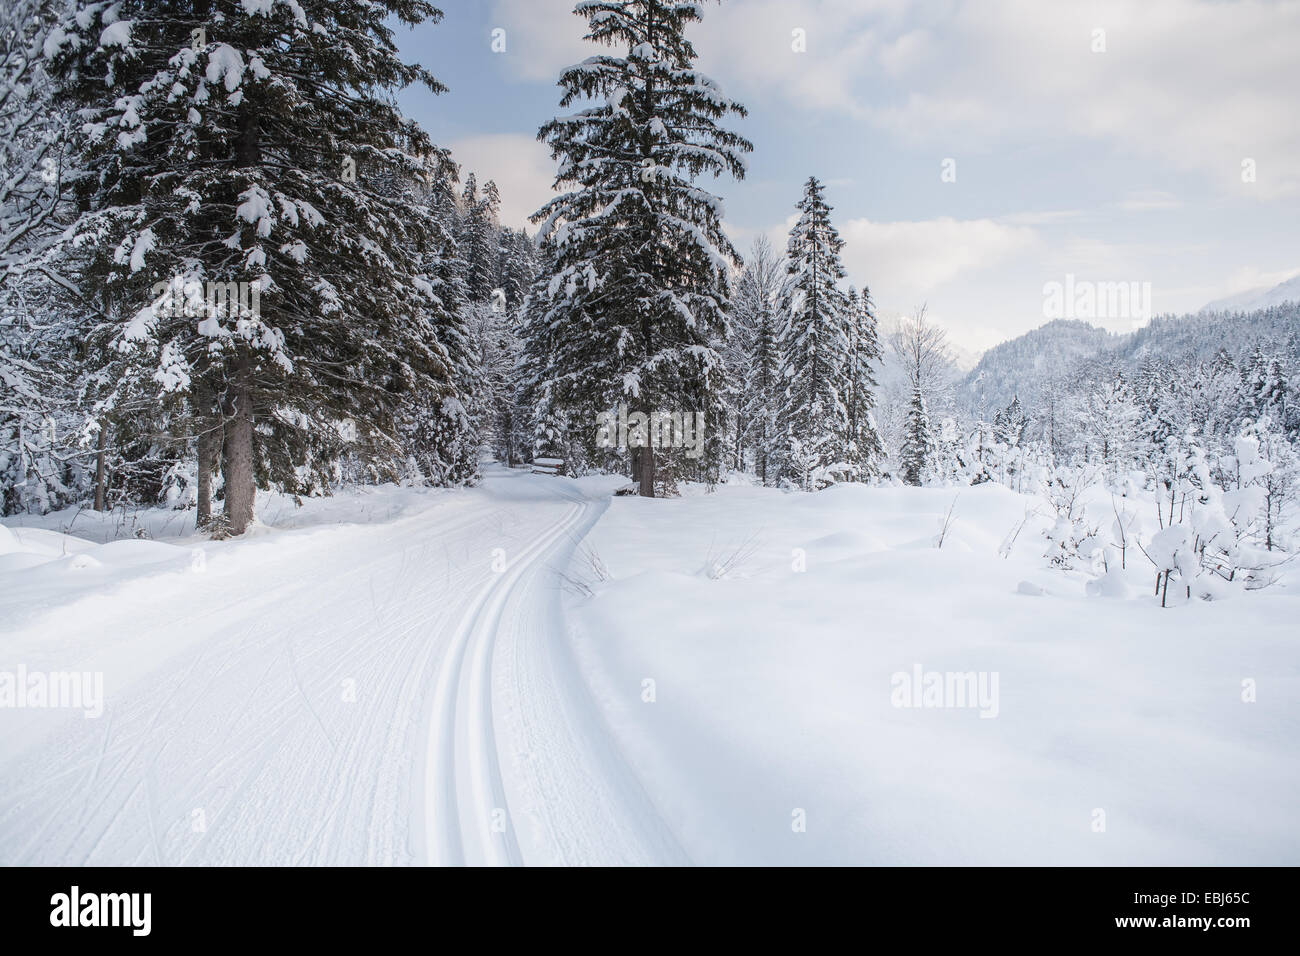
[{"x": 1072, "y": 543}]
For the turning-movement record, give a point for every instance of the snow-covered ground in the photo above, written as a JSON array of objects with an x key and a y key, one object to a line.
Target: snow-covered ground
[
  {"x": 775, "y": 690},
  {"x": 532, "y": 671}
]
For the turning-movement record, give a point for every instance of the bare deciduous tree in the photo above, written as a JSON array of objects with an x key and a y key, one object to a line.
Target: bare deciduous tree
[{"x": 922, "y": 350}]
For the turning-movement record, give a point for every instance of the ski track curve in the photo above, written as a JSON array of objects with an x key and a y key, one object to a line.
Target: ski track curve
[{"x": 470, "y": 737}]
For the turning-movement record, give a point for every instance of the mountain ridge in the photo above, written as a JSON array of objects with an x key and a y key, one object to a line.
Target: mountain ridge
[
  {"x": 1261, "y": 298},
  {"x": 1036, "y": 361}
]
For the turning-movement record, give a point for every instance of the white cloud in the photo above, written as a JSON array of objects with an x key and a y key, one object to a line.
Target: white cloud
[
  {"x": 1249, "y": 278},
  {"x": 1043, "y": 217},
  {"x": 754, "y": 45},
  {"x": 743, "y": 238},
  {"x": 1149, "y": 200},
  {"x": 751, "y": 41},
  {"x": 905, "y": 262},
  {"x": 521, "y": 167},
  {"x": 1198, "y": 84},
  {"x": 542, "y": 37},
  {"x": 1104, "y": 260}
]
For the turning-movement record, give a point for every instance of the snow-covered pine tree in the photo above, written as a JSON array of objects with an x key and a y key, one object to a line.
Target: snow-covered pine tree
[
  {"x": 1289, "y": 372},
  {"x": 516, "y": 266},
  {"x": 477, "y": 238},
  {"x": 1281, "y": 484},
  {"x": 1009, "y": 424},
  {"x": 535, "y": 373},
  {"x": 1156, "y": 395},
  {"x": 756, "y": 369},
  {"x": 444, "y": 430},
  {"x": 918, "y": 443},
  {"x": 1054, "y": 425},
  {"x": 39, "y": 323},
  {"x": 252, "y": 148},
  {"x": 864, "y": 352},
  {"x": 497, "y": 266},
  {"x": 1263, "y": 387},
  {"x": 497, "y": 348},
  {"x": 517, "y": 269},
  {"x": 815, "y": 344},
  {"x": 734, "y": 350},
  {"x": 1110, "y": 422},
  {"x": 1208, "y": 397},
  {"x": 32, "y": 144},
  {"x": 637, "y": 298}
]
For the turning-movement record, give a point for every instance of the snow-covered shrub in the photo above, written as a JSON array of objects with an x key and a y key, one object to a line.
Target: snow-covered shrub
[
  {"x": 587, "y": 572},
  {"x": 1170, "y": 550},
  {"x": 1208, "y": 537},
  {"x": 1071, "y": 545},
  {"x": 730, "y": 562},
  {"x": 179, "y": 485},
  {"x": 1123, "y": 532},
  {"x": 1260, "y": 480},
  {"x": 1072, "y": 541}
]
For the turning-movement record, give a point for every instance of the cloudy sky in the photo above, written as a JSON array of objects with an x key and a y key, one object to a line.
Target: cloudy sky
[{"x": 1113, "y": 141}]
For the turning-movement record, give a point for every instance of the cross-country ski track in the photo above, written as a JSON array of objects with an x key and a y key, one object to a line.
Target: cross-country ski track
[{"x": 397, "y": 692}]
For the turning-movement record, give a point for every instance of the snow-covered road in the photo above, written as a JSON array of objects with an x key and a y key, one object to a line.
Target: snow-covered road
[{"x": 394, "y": 692}]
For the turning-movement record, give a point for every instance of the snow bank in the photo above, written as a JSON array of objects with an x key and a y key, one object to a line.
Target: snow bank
[
  {"x": 51, "y": 563},
  {"x": 41, "y": 569}
]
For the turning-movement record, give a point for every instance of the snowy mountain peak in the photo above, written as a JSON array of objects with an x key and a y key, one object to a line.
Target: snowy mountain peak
[{"x": 1261, "y": 298}]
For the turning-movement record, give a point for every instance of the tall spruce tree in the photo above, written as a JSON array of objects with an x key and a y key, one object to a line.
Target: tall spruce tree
[
  {"x": 1263, "y": 387},
  {"x": 1009, "y": 425},
  {"x": 516, "y": 265},
  {"x": 757, "y": 363},
  {"x": 637, "y": 298},
  {"x": 815, "y": 344},
  {"x": 918, "y": 442},
  {"x": 864, "y": 446},
  {"x": 256, "y": 148},
  {"x": 478, "y": 238},
  {"x": 537, "y": 375}
]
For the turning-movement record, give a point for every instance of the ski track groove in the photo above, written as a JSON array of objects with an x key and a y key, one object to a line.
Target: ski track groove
[{"x": 468, "y": 788}]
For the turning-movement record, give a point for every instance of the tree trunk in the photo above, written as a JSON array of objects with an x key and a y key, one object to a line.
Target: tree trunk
[
  {"x": 643, "y": 471},
  {"x": 208, "y": 414},
  {"x": 101, "y": 466},
  {"x": 740, "y": 443},
  {"x": 647, "y": 477},
  {"x": 238, "y": 451}
]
